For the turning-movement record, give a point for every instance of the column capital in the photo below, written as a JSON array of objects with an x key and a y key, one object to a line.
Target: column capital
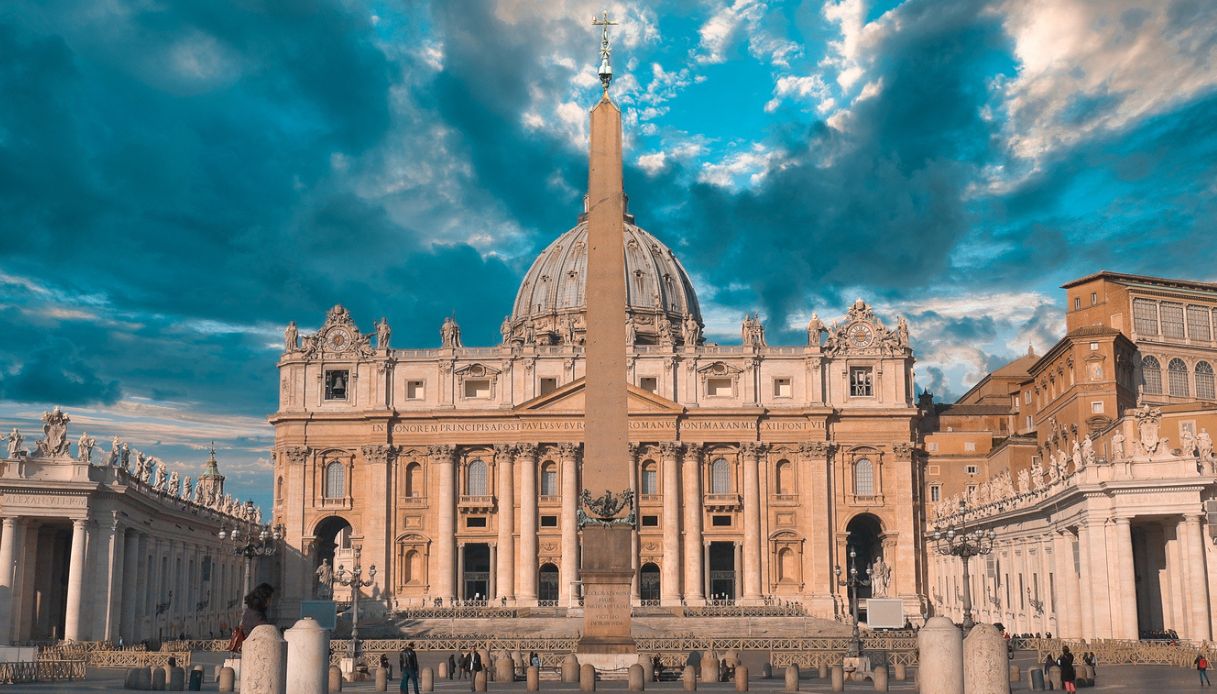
[
  {"x": 569, "y": 450},
  {"x": 9, "y": 521},
  {"x": 442, "y": 453},
  {"x": 1190, "y": 518},
  {"x": 668, "y": 450},
  {"x": 526, "y": 451},
  {"x": 816, "y": 449},
  {"x": 80, "y": 523},
  {"x": 753, "y": 449},
  {"x": 504, "y": 453},
  {"x": 1122, "y": 519}
]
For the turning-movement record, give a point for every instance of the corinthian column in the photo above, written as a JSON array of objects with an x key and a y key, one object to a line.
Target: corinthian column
[
  {"x": 1128, "y": 579},
  {"x": 569, "y": 566},
  {"x": 670, "y": 579},
  {"x": 1198, "y": 594},
  {"x": 751, "y": 454},
  {"x": 445, "y": 528},
  {"x": 693, "y": 504},
  {"x": 7, "y": 571},
  {"x": 505, "y": 584},
  {"x": 76, "y": 576},
  {"x": 526, "y": 587}
]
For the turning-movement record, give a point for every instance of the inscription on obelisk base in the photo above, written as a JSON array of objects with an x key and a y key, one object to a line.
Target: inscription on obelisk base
[{"x": 606, "y": 592}]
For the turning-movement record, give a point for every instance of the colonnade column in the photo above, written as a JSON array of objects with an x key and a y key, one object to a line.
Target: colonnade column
[
  {"x": 110, "y": 620},
  {"x": 692, "y": 501},
  {"x": 569, "y": 565},
  {"x": 526, "y": 586},
  {"x": 751, "y": 453},
  {"x": 1068, "y": 614},
  {"x": 669, "y": 583},
  {"x": 442, "y": 457},
  {"x": 1198, "y": 593},
  {"x": 1128, "y": 628},
  {"x": 8, "y": 567},
  {"x": 76, "y": 577},
  {"x": 492, "y": 589},
  {"x": 132, "y": 558},
  {"x": 506, "y": 553}
]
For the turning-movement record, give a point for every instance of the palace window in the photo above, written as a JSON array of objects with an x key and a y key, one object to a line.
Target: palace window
[
  {"x": 1198, "y": 323},
  {"x": 1205, "y": 389},
  {"x": 475, "y": 478},
  {"x": 1094, "y": 298},
  {"x": 720, "y": 477},
  {"x": 549, "y": 479},
  {"x": 1077, "y": 303},
  {"x": 864, "y": 478},
  {"x": 336, "y": 381},
  {"x": 1096, "y": 407},
  {"x": 1145, "y": 316},
  {"x": 477, "y": 388},
  {"x": 415, "y": 390},
  {"x": 649, "y": 383},
  {"x": 935, "y": 492},
  {"x": 860, "y": 381},
  {"x": 718, "y": 387},
  {"x": 475, "y": 522},
  {"x": 549, "y": 521},
  {"x": 335, "y": 481},
  {"x": 1151, "y": 375},
  {"x": 548, "y": 385},
  {"x": 720, "y": 521},
  {"x": 650, "y": 481},
  {"x": 1176, "y": 377},
  {"x": 781, "y": 388},
  {"x": 971, "y": 469},
  {"x": 1172, "y": 321},
  {"x": 650, "y": 521}
]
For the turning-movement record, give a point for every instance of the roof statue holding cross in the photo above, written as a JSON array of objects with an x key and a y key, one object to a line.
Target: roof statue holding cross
[{"x": 606, "y": 66}]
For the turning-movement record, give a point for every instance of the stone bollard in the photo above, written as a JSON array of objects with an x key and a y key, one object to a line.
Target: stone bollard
[
  {"x": 226, "y": 680},
  {"x": 1085, "y": 675},
  {"x": 741, "y": 678},
  {"x": 767, "y": 671},
  {"x": 587, "y": 677},
  {"x": 940, "y": 657},
  {"x": 443, "y": 669},
  {"x": 426, "y": 679},
  {"x": 570, "y": 669},
  {"x": 648, "y": 667},
  {"x": 308, "y": 657},
  {"x": 504, "y": 669},
  {"x": 1036, "y": 677},
  {"x": 838, "y": 677},
  {"x": 479, "y": 681},
  {"x": 1016, "y": 674},
  {"x": 985, "y": 665},
  {"x": 900, "y": 672},
  {"x": 264, "y": 662},
  {"x": 689, "y": 678},
  {"x": 196, "y": 679},
  {"x": 792, "y": 678},
  {"x": 878, "y": 676},
  {"x": 709, "y": 667},
  {"x": 637, "y": 678},
  {"x": 822, "y": 672},
  {"x": 532, "y": 678},
  {"x": 335, "y": 682},
  {"x": 175, "y": 679},
  {"x": 157, "y": 678},
  {"x": 486, "y": 662},
  {"x": 382, "y": 679},
  {"x": 1054, "y": 676},
  {"x": 131, "y": 681}
]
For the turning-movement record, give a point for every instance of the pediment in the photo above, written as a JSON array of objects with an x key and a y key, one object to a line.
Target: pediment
[{"x": 572, "y": 397}]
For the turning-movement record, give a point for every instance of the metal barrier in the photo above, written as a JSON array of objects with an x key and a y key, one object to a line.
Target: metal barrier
[
  {"x": 1123, "y": 652},
  {"x": 42, "y": 671},
  {"x": 129, "y": 659}
]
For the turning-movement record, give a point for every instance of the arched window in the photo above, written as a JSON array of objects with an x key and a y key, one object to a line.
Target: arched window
[
  {"x": 1151, "y": 375},
  {"x": 414, "y": 480},
  {"x": 549, "y": 479},
  {"x": 475, "y": 478},
  {"x": 785, "y": 477},
  {"x": 864, "y": 478},
  {"x": 650, "y": 478},
  {"x": 335, "y": 481},
  {"x": 720, "y": 477},
  {"x": 1176, "y": 377},
  {"x": 788, "y": 569},
  {"x": 1205, "y": 389},
  {"x": 279, "y": 484}
]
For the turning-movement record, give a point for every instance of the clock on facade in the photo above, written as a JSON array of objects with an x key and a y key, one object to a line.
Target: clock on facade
[
  {"x": 860, "y": 334},
  {"x": 338, "y": 339}
]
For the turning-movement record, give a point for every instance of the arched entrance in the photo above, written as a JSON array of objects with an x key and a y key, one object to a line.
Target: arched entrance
[
  {"x": 547, "y": 585},
  {"x": 331, "y": 542},
  {"x": 864, "y": 538},
  {"x": 648, "y": 584}
]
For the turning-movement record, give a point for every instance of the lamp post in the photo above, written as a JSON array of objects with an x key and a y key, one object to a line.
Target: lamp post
[
  {"x": 965, "y": 544},
  {"x": 852, "y": 583},
  {"x": 352, "y": 579},
  {"x": 260, "y": 542}
]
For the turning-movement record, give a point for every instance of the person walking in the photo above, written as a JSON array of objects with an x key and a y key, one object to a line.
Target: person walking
[
  {"x": 475, "y": 666},
  {"x": 1069, "y": 673},
  {"x": 466, "y": 664},
  {"x": 1202, "y": 666},
  {"x": 409, "y": 669},
  {"x": 451, "y": 666}
]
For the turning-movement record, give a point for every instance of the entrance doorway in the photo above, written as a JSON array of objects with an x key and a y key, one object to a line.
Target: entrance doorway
[
  {"x": 332, "y": 543},
  {"x": 648, "y": 584},
  {"x": 722, "y": 571},
  {"x": 476, "y": 578},
  {"x": 547, "y": 585},
  {"x": 864, "y": 532}
]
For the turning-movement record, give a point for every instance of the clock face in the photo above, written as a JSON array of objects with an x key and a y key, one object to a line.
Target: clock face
[
  {"x": 338, "y": 339},
  {"x": 860, "y": 335}
]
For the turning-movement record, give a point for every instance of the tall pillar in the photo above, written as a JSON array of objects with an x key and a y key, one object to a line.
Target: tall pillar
[
  {"x": 737, "y": 566},
  {"x": 1068, "y": 614},
  {"x": 569, "y": 565},
  {"x": 751, "y": 453},
  {"x": 492, "y": 589},
  {"x": 693, "y": 504},
  {"x": 635, "y": 589},
  {"x": 669, "y": 584},
  {"x": 526, "y": 587},
  {"x": 73, "y": 626},
  {"x": 109, "y": 617},
  {"x": 460, "y": 572},
  {"x": 8, "y": 570},
  {"x": 132, "y": 571},
  {"x": 1128, "y": 628},
  {"x": 506, "y": 552},
  {"x": 445, "y": 547},
  {"x": 1198, "y": 593}
]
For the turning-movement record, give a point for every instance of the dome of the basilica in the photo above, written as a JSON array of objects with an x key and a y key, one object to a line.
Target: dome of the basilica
[{"x": 551, "y": 304}]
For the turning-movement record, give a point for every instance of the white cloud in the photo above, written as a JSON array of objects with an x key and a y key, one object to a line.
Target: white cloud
[
  {"x": 720, "y": 30},
  {"x": 805, "y": 89},
  {"x": 653, "y": 163},
  {"x": 740, "y": 169}
]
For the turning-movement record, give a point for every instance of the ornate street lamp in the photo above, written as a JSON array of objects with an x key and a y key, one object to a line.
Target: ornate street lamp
[
  {"x": 852, "y": 583},
  {"x": 965, "y": 544},
  {"x": 352, "y": 579},
  {"x": 260, "y": 542}
]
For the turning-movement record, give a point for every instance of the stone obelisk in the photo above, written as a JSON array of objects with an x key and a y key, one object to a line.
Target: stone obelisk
[{"x": 606, "y": 567}]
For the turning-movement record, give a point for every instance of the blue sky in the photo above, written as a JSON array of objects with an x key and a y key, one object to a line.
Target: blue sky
[{"x": 179, "y": 180}]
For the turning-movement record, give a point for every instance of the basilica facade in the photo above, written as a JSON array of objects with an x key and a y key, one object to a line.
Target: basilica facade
[{"x": 756, "y": 468}]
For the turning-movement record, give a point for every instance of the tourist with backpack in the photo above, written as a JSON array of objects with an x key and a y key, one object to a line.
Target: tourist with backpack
[{"x": 1202, "y": 666}]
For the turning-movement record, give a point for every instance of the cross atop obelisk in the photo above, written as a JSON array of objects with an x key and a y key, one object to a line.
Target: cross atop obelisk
[{"x": 606, "y": 53}]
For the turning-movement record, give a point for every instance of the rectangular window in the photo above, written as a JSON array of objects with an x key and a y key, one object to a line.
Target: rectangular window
[
  {"x": 1030, "y": 422},
  {"x": 1077, "y": 303},
  {"x": 548, "y": 385},
  {"x": 1096, "y": 407},
  {"x": 1198, "y": 323},
  {"x": 475, "y": 522},
  {"x": 650, "y": 481},
  {"x": 1094, "y": 346},
  {"x": 1145, "y": 316},
  {"x": 336, "y": 382},
  {"x": 781, "y": 388},
  {"x": 970, "y": 489},
  {"x": 718, "y": 387},
  {"x": 860, "y": 382},
  {"x": 477, "y": 388},
  {"x": 549, "y": 521},
  {"x": 969, "y": 446},
  {"x": 933, "y": 470},
  {"x": 650, "y": 521},
  {"x": 720, "y": 521},
  {"x": 1172, "y": 321},
  {"x": 1094, "y": 298},
  {"x": 971, "y": 469},
  {"x": 932, "y": 446},
  {"x": 415, "y": 390},
  {"x": 935, "y": 492},
  {"x": 649, "y": 383}
]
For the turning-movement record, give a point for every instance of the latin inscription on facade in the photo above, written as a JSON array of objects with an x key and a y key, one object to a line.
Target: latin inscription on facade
[
  {"x": 606, "y": 608},
  {"x": 46, "y": 500}
]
